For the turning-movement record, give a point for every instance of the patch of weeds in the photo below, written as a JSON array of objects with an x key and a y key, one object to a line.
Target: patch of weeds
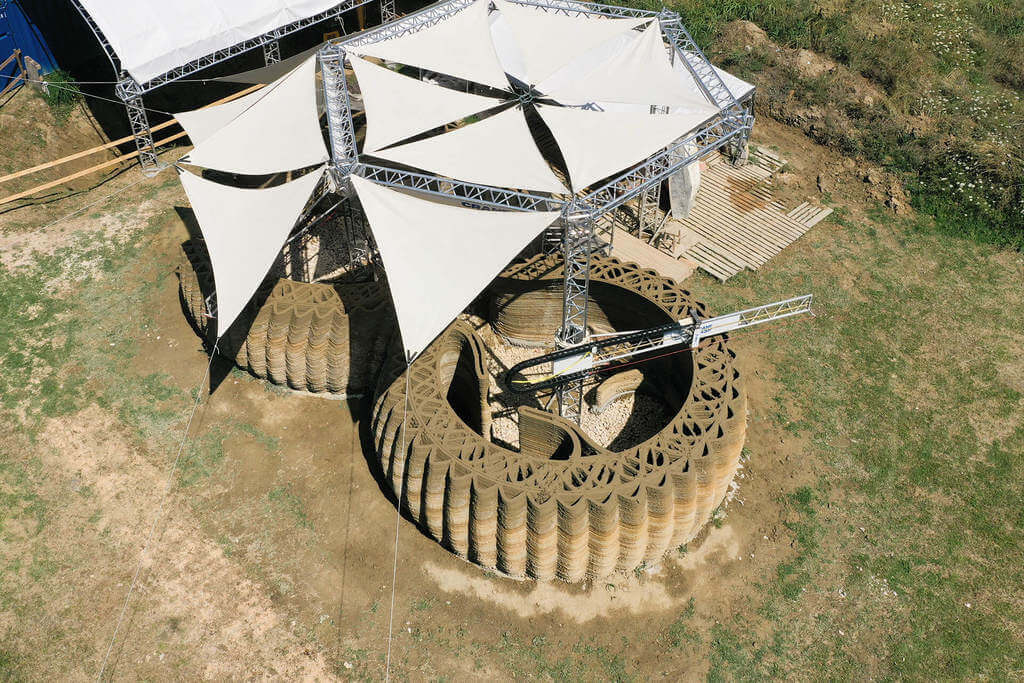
[
  {"x": 10, "y": 667},
  {"x": 271, "y": 444},
  {"x": 202, "y": 457},
  {"x": 282, "y": 498},
  {"x": 61, "y": 94},
  {"x": 423, "y": 604},
  {"x": 680, "y": 631}
]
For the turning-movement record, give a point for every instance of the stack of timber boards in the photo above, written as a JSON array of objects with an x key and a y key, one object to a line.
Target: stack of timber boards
[{"x": 738, "y": 220}]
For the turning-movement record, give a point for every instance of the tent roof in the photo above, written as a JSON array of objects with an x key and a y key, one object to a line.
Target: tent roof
[
  {"x": 279, "y": 131},
  {"x": 460, "y": 46},
  {"x": 389, "y": 97},
  {"x": 244, "y": 232},
  {"x": 438, "y": 257},
  {"x": 497, "y": 151},
  {"x": 152, "y": 37},
  {"x": 548, "y": 41},
  {"x": 637, "y": 71},
  {"x": 598, "y": 144}
]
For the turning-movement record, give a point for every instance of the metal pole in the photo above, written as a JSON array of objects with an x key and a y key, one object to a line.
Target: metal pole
[
  {"x": 387, "y": 11},
  {"x": 271, "y": 52},
  {"x": 128, "y": 91},
  {"x": 576, "y": 246}
]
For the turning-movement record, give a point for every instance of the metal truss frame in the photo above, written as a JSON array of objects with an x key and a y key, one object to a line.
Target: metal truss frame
[
  {"x": 131, "y": 91},
  {"x": 581, "y": 214}
]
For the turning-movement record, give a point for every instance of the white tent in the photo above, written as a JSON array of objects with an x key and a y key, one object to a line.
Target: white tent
[
  {"x": 498, "y": 150},
  {"x": 279, "y": 131},
  {"x": 598, "y": 144},
  {"x": 548, "y": 41},
  {"x": 389, "y": 98},
  {"x": 152, "y": 37},
  {"x": 460, "y": 46},
  {"x": 439, "y": 257},
  {"x": 244, "y": 232},
  {"x": 636, "y": 72}
]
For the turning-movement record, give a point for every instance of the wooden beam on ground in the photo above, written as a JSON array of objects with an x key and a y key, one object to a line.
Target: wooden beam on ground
[
  {"x": 92, "y": 169},
  {"x": 115, "y": 143}
]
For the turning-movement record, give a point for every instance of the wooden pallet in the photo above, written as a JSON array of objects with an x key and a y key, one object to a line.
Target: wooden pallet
[{"x": 738, "y": 220}]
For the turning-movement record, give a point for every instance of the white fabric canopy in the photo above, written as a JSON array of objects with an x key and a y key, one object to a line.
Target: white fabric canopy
[
  {"x": 244, "y": 232},
  {"x": 280, "y": 131},
  {"x": 548, "y": 41},
  {"x": 439, "y": 257},
  {"x": 152, "y": 37},
  {"x": 389, "y": 99},
  {"x": 202, "y": 123},
  {"x": 498, "y": 150},
  {"x": 598, "y": 144},
  {"x": 460, "y": 45},
  {"x": 635, "y": 72}
]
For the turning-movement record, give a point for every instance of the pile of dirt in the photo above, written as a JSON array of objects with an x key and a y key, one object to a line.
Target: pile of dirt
[{"x": 847, "y": 92}]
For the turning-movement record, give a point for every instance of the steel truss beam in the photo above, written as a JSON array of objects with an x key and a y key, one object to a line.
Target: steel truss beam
[
  {"x": 387, "y": 11},
  {"x": 581, "y": 214},
  {"x": 271, "y": 52},
  {"x": 130, "y": 91}
]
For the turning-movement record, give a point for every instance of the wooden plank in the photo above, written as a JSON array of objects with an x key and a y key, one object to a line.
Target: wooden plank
[
  {"x": 727, "y": 231},
  {"x": 746, "y": 206},
  {"x": 14, "y": 56},
  {"x": 713, "y": 262},
  {"x": 115, "y": 143},
  {"x": 91, "y": 169},
  {"x": 819, "y": 218},
  {"x": 762, "y": 219},
  {"x": 629, "y": 248}
]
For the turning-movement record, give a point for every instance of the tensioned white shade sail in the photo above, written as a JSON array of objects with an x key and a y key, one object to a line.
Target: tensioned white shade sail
[
  {"x": 152, "y": 37},
  {"x": 598, "y": 144},
  {"x": 498, "y": 150},
  {"x": 460, "y": 46},
  {"x": 279, "y": 132},
  {"x": 390, "y": 97},
  {"x": 439, "y": 257},
  {"x": 548, "y": 41},
  {"x": 202, "y": 123},
  {"x": 637, "y": 72},
  {"x": 244, "y": 232}
]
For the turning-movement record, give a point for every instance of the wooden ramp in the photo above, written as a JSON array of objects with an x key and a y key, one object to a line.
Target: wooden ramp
[
  {"x": 626, "y": 247},
  {"x": 737, "y": 222}
]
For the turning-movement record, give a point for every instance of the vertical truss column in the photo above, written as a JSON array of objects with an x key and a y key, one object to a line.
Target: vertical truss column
[
  {"x": 387, "y": 11},
  {"x": 128, "y": 91},
  {"x": 344, "y": 155},
  {"x": 577, "y": 243},
  {"x": 649, "y": 210},
  {"x": 272, "y": 52},
  {"x": 340, "y": 127}
]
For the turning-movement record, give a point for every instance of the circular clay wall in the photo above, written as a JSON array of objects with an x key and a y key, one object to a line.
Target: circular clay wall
[{"x": 561, "y": 506}]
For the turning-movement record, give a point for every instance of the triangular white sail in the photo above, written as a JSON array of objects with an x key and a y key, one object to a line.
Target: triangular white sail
[
  {"x": 459, "y": 45},
  {"x": 279, "y": 132},
  {"x": 597, "y": 144},
  {"x": 439, "y": 257},
  {"x": 548, "y": 41},
  {"x": 636, "y": 72},
  {"x": 498, "y": 151},
  {"x": 390, "y": 98},
  {"x": 202, "y": 123},
  {"x": 244, "y": 231}
]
